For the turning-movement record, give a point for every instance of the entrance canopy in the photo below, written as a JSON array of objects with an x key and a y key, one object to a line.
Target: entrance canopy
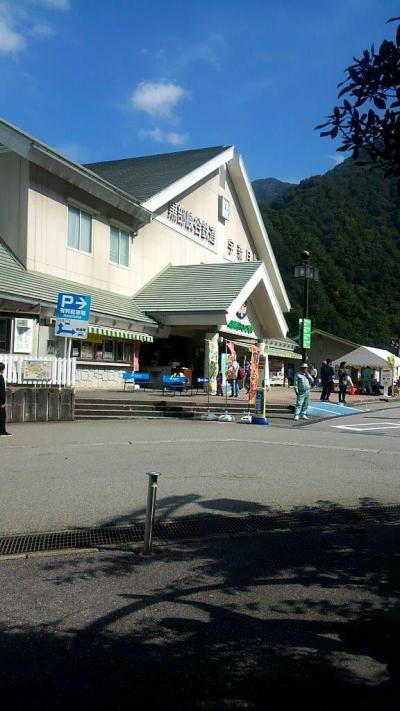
[
  {"x": 214, "y": 295},
  {"x": 365, "y": 355}
]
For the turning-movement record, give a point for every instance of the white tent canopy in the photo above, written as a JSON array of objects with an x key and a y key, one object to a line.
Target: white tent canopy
[{"x": 365, "y": 355}]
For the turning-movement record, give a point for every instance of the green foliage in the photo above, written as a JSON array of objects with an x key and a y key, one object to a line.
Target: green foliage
[
  {"x": 368, "y": 120},
  {"x": 349, "y": 219}
]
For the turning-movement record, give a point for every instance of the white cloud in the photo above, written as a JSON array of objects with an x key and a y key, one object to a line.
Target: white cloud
[
  {"x": 337, "y": 159},
  {"x": 173, "y": 138},
  {"x": 158, "y": 98},
  {"x": 10, "y": 40}
]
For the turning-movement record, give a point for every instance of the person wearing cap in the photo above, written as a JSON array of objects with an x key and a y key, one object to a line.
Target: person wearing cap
[{"x": 302, "y": 384}]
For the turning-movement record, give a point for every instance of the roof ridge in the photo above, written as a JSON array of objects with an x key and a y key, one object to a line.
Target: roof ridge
[{"x": 223, "y": 147}]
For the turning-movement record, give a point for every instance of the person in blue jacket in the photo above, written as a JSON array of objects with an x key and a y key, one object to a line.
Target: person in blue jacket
[{"x": 302, "y": 384}]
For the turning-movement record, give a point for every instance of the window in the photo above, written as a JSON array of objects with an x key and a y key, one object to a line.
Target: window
[
  {"x": 3, "y": 335},
  {"x": 119, "y": 247},
  {"x": 79, "y": 230}
]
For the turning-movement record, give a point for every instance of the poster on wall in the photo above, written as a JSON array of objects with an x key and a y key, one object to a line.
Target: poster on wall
[
  {"x": 212, "y": 367},
  {"x": 254, "y": 373},
  {"x": 37, "y": 369},
  {"x": 23, "y": 335}
]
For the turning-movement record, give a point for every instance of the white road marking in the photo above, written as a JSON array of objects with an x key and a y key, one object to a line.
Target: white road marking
[{"x": 367, "y": 426}]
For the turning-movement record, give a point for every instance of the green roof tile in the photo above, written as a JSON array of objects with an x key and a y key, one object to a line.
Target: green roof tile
[
  {"x": 196, "y": 287},
  {"x": 16, "y": 281},
  {"x": 148, "y": 175}
]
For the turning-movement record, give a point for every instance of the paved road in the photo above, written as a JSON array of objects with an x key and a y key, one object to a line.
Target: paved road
[{"x": 55, "y": 476}]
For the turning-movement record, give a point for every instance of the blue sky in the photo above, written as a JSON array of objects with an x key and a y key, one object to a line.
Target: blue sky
[{"x": 104, "y": 79}]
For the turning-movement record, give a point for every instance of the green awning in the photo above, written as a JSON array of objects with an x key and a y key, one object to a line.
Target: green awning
[
  {"x": 119, "y": 333},
  {"x": 277, "y": 353}
]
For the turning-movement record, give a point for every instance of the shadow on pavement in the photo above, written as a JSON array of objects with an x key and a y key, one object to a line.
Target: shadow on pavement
[{"x": 304, "y": 618}]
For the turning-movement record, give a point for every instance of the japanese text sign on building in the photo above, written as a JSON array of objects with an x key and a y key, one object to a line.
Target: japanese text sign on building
[
  {"x": 72, "y": 315},
  {"x": 197, "y": 227}
]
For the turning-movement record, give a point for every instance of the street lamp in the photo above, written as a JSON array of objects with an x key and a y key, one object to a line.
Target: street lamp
[{"x": 308, "y": 273}]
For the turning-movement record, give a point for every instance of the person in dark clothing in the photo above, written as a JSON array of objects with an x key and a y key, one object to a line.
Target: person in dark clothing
[
  {"x": 3, "y": 403},
  {"x": 343, "y": 382},
  {"x": 327, "y": 375}
]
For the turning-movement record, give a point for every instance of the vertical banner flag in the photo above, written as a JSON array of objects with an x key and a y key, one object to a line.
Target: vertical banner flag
[
  {"x": 212, "y": 367},
  {"x": 224, "y": 368},
  {"x": 136, "y": 355},
  {"x": 254, "y": 368}
]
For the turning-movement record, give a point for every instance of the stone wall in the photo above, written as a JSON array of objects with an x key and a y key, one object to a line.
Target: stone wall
[
  {"x": 88, "y": 377},
  {"x": 29, "y": 404}
]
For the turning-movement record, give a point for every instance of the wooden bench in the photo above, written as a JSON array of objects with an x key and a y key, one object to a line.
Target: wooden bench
[
  {"x": 131, "y": 378},
  {"x": 177, "y": 383}
]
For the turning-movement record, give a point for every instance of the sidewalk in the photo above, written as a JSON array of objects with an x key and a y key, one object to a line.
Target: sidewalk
[{"x": 276, "y": 396}]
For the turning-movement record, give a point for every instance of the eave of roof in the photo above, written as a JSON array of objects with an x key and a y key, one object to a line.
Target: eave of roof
[
  {"x": 21, "y": 283},
  {"x": 39, "y": 153},
  {"x": 196, "y": 287}
]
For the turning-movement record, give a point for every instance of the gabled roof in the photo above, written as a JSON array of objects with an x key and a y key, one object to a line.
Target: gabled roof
[
  {"x": 147, "y": 176},
  {"x": 213, "y": 294},
  {"x": 16, "y": 281},
  {"x": 196, "y": 287}
]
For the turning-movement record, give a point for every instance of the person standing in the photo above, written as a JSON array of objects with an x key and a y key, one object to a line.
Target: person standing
[
  {"x": 343, "y": 382},
  {"x": 3, "y": 430},
  {"x": 366, "y": 380},
  {"x": 247, "y": 368},
  {"x": 302, "y": 385},
  {"x": 327, "y": 375},
  {"x": 232, "y": 375}
]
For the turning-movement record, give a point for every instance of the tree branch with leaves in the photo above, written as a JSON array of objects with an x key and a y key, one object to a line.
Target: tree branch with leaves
[{"x": 368, "y": 120}]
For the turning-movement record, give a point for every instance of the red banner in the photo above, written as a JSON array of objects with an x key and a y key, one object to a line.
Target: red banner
[{"x": 136, "y": 354}]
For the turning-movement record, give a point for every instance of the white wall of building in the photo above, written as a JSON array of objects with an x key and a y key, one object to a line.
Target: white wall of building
[
  {"x": 154, "y": 246},
  {"x": 14, "y": 181}
]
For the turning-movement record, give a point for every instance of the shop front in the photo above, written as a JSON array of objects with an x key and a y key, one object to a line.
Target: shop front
[{"x": 105, "y": 354}]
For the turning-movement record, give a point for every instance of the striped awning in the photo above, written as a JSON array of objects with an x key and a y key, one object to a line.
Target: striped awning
[
  {"x": 277, "y": 353},
  {"x": 120, "y": 333}
]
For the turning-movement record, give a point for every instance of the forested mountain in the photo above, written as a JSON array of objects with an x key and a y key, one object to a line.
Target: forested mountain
[
  {"x": 349, "y": 219},
  {"x": 267, "y": 190}
]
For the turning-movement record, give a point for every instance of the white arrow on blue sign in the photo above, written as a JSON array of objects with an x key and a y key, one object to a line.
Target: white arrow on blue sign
[{"x": 72, "y": 315}]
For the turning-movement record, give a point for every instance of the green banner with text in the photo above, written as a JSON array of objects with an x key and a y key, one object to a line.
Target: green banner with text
[{"x": 306, "y": 333}]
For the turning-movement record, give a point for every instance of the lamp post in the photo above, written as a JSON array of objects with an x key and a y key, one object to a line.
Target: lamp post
[{"x": 308, "y": 273}]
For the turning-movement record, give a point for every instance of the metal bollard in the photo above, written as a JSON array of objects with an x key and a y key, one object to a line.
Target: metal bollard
[{"x": 150, "y": 512}]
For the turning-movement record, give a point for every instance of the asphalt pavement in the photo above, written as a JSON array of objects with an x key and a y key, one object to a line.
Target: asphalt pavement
[
  {"x": 295, "y": 617},
  {"x": 61, "y": 475}
]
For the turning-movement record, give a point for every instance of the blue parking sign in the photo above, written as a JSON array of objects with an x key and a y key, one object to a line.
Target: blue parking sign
[{"x": 73, "y": 306}]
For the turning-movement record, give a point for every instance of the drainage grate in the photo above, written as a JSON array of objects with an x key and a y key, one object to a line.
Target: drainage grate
[{"x": 194, "y": 528}]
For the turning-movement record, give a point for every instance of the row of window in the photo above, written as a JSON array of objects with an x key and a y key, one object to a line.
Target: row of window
[
  {"x": 80, "y": 237},
  {"x": 120, "y": 351}
]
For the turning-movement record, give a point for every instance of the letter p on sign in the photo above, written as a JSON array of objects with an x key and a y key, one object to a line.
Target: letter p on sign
[{"x": 66, "y": 300}]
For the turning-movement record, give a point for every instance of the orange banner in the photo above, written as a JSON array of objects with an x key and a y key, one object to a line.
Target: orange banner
[{"x": 254, "y": 373}]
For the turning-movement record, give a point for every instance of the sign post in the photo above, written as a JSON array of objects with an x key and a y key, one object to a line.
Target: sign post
[
  {"x": 386, "y": 380},
  {"x": 72, "y": 315}
]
